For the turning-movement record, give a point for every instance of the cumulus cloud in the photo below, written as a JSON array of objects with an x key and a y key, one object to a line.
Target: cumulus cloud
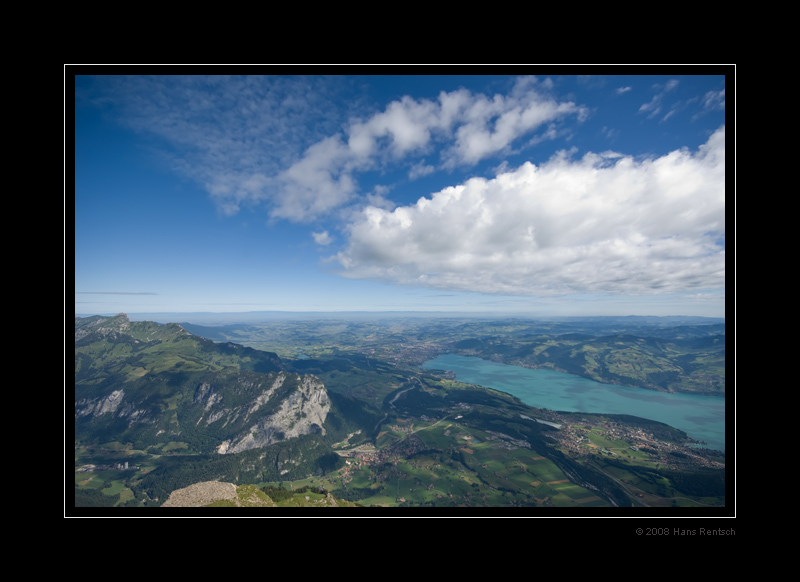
[
  {"x": 405, "y": 125},
  {"x": 490, "y": 125},
  {"x": 604, "y": 223},
  {"x": 316, "y": 184},
  {"x": 469, "y": 127}
]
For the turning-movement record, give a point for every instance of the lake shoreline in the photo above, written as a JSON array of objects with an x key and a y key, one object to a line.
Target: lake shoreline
[
  {"x": 521, "y": 364},
  {"x": 700, "y": 416}
]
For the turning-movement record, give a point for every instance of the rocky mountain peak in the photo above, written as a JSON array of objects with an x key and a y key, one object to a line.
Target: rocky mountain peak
[{"x": 102, "y": 325}]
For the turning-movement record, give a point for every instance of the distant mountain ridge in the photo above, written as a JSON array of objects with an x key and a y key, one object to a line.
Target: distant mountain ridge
[
  {"x": 237, "y": 318},
  {"x": 682, "y": 359},
  {"x": 673, "y": 354}
]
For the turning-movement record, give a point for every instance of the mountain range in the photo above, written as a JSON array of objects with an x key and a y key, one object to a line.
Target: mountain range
[
  {"x": 165, "y": 391},
  {"x": 159, "y": 409}
]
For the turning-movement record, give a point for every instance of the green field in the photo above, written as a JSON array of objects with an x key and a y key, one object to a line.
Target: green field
[{"x": 460, "y": 466}]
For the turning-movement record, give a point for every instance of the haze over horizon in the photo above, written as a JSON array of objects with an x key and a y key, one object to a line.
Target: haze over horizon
[{"x": 576, "y": 195}]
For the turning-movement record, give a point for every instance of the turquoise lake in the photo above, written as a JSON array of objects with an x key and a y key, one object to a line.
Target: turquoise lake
[{"x": 701, "y": 417}]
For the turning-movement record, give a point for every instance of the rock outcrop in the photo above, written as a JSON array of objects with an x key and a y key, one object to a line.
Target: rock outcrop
[
  {"x": 302, "y": 412},
  {"x": 208, "y": 492},
  {"x": 219, "y": 494}
]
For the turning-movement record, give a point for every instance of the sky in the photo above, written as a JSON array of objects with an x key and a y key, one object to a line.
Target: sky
[{"x": 532, "y": 194}]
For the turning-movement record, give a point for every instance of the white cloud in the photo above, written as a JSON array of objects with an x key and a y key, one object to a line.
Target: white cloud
[
  {"x": 654, "y": 106},
  {"x": 604, "y": 223},
  {"x": 322, "y": 238},
  {"x": 471, "y": 127},
  {"x": 711, "y": 101},
  {"x": 714, "y": 100},
  {"x": 406, "y": 124},
  {"x": 246, "y": 138},
  {"x": 488, "y": 126},
  {"x": 235, "y": 135},
  {"x": 316, "y": 184},
  {"x": 419, "y": 170}
]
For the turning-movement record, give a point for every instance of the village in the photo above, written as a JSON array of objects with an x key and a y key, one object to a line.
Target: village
[
  {"x": 574, "y": 436},
  {"x": 113, "y": 467}
]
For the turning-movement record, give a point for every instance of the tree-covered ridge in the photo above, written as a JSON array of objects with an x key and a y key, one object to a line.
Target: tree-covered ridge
[
  {"x": 154, "y": 384},
  {"x": 677, "y": 354},
  {"x": 122, "y": 350},
  {"x": 695, "y": 364}
]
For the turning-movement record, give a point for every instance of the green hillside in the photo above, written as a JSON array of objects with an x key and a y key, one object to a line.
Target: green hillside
[
  {"x": 158, "y": 410},
  {"x": 695, "y": 365}
]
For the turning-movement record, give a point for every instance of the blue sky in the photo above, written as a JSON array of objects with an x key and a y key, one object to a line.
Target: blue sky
[{"x": 560, "y": 195}]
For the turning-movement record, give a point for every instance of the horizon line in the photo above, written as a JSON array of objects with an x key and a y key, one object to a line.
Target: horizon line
[{"x": 421, "y": 311}]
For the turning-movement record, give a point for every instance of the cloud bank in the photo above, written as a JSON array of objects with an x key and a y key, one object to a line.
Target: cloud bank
[
  {"x": 286, "y": 144},
  {"x": 605, "y": 223},
  {"x": 468, "y": 127}
]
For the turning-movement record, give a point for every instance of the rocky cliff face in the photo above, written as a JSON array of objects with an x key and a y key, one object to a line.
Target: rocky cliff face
[
  {"x": 278, "y": 407},
  {"x": 301, "y": 412}
]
